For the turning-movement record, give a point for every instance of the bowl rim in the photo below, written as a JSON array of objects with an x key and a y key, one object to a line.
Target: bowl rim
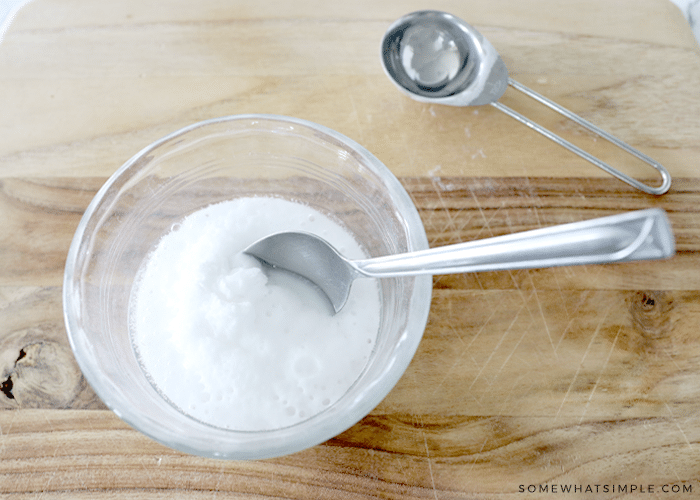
[{"x": 389, "y": 376}]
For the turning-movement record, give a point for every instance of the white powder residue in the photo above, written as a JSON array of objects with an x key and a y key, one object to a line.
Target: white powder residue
[{"x": 239, "y": 347}]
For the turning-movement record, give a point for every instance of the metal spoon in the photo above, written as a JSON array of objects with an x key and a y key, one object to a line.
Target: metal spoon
[
  {"x": 640, "y": 235},
  {"x": 436, "y": 57}
]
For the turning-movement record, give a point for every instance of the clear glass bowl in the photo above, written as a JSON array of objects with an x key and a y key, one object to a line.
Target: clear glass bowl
[{"x": 210, "y": 162}]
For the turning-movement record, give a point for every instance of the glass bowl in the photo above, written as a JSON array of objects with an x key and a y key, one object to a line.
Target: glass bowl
[{"x": 209, "y": 162}]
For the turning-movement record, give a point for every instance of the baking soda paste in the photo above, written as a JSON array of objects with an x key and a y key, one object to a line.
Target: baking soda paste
[{"x": 237, "y": 346}]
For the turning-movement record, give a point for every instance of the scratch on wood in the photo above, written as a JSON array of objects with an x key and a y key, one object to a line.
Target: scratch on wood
[
  {"x": 148, "y": 473},
  {"x": 478, "y": 281},
  {"x": 544, "y": 317},
  {"x": 481, "y": 212},
  {"x": 495, "y": 349},
  {"x": 600, "y": 375},
  {"x": 430, "y": 465},
  {"x": 48, "y": 422},
  {"x": 561, "y": 295},
  {"x": 465, "y": 350},
  {"x": 487, "y": 222},
  {"x": 537, "y": 216},
  {"x": 450, "y": 225},
  {"x": 583, "y": 359},
  {"x": 680, "y": 429},
  {"x": 526, "y": 331},
  {"x": 518, "y": 288},
  {"x": 456, "y": 332},
  {"x": 476, "y": 455},
  {"x": 584, "y": 296}
]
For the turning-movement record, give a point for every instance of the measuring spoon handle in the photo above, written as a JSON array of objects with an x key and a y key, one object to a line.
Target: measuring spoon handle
[
  {"x": 638, "y": 235},
  {"x": 665, "y": 176}
]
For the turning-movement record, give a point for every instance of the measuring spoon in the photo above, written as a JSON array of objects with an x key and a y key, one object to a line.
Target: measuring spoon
[{"x": 436, "y": 57}]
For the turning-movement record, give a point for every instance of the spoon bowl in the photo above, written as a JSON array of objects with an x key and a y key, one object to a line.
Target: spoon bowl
[
  {"x": 639, "y": 235},
  {"x": 436, "y": 57}
]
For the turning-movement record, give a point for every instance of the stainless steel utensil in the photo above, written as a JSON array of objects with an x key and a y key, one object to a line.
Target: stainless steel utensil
[
  {"x": 436, "y": 57},
  {"x": 639, "y": 235}
]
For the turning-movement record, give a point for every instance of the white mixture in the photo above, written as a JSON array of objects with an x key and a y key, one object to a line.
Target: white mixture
[{"x": 233, "y": 347}]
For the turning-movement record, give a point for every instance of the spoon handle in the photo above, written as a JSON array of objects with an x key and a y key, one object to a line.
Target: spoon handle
[{"x": 639, "y": 235}]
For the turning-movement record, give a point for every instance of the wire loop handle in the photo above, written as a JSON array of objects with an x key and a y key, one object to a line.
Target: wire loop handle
[{"x": 665, "y": 176}]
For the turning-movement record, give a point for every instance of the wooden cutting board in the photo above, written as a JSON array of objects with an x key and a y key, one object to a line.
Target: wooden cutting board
[{"x": 526, "y": 382}]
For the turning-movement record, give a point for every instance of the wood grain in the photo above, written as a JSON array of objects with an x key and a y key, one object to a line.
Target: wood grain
[
  {"x": 133, "y": 91},
  {"x": 42, "y": 214},
  {"x": 526, "y": 382},
  {"x": 72, "y": 453},
  {"x": 522, "y": 371},
  {"x": 75, "y": 452}
]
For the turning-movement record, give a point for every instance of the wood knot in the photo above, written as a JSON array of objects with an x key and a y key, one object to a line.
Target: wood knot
[
  {"x": 43, "y": 376},
  {"x": 651, "y": 313}
]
